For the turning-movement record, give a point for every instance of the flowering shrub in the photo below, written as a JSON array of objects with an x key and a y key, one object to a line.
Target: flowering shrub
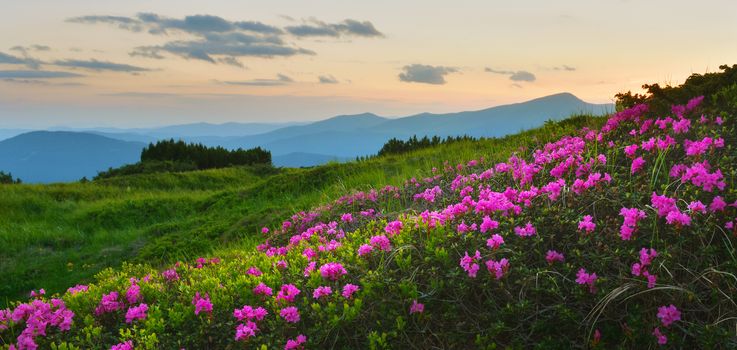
[{"x": 387, "y": 268}]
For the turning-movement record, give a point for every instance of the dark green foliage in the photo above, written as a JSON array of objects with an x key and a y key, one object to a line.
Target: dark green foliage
[
  {"x": 202, "y": 156},
  {"x": 397, "y": 146},
  {"x": 661, "y": 98},
  {"x": 7, "y": 178}
]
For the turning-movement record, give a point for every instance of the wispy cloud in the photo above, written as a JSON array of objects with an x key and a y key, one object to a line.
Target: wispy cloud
[
  {"x": 25, "y": 60},
  {"x": 327, "y": 79},
  {"x": 36, "y": 74},
  {"x": 420, "y": 73},
  {"x": 348, "y": 27},
  {"x": 96, "y": 65},
  {"x": 281, "y": 79},
  {"x": 565, "y": 68},
  {"x": 520, "y": 75}
]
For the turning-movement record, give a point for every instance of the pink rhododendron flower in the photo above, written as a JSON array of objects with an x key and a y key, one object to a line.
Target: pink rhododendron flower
[
  {"x": 495, "y": 241},
  {"x": 630, "y": 150},
  {"x": 488, "y": 224},
  {"x": 108, "y": 303},
  {"x": 348, "y": 290},
  {"x": 127, "y": 345},
  {"x": 393, "y": 228},
  {"x": 262, "y": 289},
  {"x": 201, "y": 304},
  {"x": 637, "y": 164},
  {"x": 498, "y": 268},
  {"x": 244, "y": 331},
  {"x": 381, "y": 242},
  {"x": 416, "y": 307},
  {"x": 294, "y": 344},
  {"x": 250, "y": 313},
  {"x": 254, "y": 271},
  {"x": 631, "y": 216},
  {"x": 662, "y": 339},
  {"x": 365, "y": 249},
  {"x": 552, "y": 256},
  {"x": 170, "y": 275},
  {"x": 309, "y": 268},
  {"x": 77, "y": 289},
  {"x": 669, "y": 314},
  {"x": 469, "y": 264},
  {"x": 587, "y": 224},
  {"x": 332, "y": 271},
  {"x": 287, "y": 293},
  {"x": 290, "y": 314},
  {"x": 322, "y": 291},
  {"x": 585, "y": 278},
  {"x": 526, "y": 231},
  {"x": 133, "y": 294},
  {"x": 136, "y": 313}
]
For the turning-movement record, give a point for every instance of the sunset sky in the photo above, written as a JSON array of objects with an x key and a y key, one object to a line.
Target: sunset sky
[{"x": 133, "y": 63}]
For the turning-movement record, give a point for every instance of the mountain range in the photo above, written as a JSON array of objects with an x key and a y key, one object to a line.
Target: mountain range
[{"x": 52, "y": 156}]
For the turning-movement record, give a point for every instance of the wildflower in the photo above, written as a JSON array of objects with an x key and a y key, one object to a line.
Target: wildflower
[
  {"x": 637, "y": 165},
  {"x": 321, "y": 291},
  {"x": 77, "y": 289},
  {"x": 587, "y": 224},
  {"x": 108, "y": 303},
  {"x": 262, "y": 289},
  {"x": 717, "y": 204},
  {"x": 296, "y": 343},
  {"x": 381, "y": 242},
  {"x": 681, "y": 126},
  {"x": 281, "y": 264},
  {"x": 332, "y": 271},
  {"x": 526, "y": 231},
  {"x": 630, "y": 150},
  {"x": 290, "y": 314},
  {"x": 495, "y": 241},
  {"x": 663, "y": 204},
  {"x": 669, "y": 314},
  {"x": 585, "y": 278},
  {"x": 201, "y": 304},
  {"x": 365, "y": 249},
  {"x": 393, "y": 227},
  {"x": 136, "y": 313},
  {"x": 697, "y": 207},
  {"x": 662, "y": 339},
  {"x": 416, "y": 307},
  {"x": 250, "y": 313},
  {"x": 552, "y": 256},
  {"x": 264, "y": 230},
  {"x": 133, "y": 294},
  {"x": 245, "y": 331},
  {"x": 347, "y": 217},
  {"x": 488, "y": 224},
  {"x": 631, "y": 216},
  {"x": 288, "y": 293},
  {"x": 254, "y": 271},
  {"x": 498, "y": 268},
  {"x": 348, "y": 290},
  {"x": 678, "y": 218},
  {"x": 40, "y": 293},
  {"x": 170, "y": 275},
  {"x": 468, "y": 264},
  {"x": 127, "y": 345}
]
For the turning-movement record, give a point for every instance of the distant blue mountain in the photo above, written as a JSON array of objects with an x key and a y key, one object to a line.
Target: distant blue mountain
[
  {"x": 60, "y": 156},
  {"x": 66, "y": 156}
]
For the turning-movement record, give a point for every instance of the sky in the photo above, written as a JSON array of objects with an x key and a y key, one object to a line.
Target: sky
[{"x": 134, "y": 63}]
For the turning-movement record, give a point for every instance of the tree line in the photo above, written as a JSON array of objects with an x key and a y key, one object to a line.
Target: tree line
[
  {"x": 397, "y": 146},
  {"x": 202, "y": 156}
]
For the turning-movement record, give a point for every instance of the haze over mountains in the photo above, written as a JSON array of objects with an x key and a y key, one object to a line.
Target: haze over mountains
[{"x": 70, "y": 155}]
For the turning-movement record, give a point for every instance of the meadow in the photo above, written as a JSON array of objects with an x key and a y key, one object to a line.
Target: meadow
[
  {"x": 54, "y": 235},
  {"x": 600, "y": 233}
]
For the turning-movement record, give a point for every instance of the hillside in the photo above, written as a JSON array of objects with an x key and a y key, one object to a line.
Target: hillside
[
  {"x": 56, "y": 156},
  {"x": 51, "y": 235},
  {"x": 585, "y": 233}
]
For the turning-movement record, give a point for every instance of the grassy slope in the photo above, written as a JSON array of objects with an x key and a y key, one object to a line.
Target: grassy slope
[{"x": 54, "y": 236}]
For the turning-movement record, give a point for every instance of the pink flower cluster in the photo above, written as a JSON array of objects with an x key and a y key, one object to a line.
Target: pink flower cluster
[
  {"x": 288, "y": 293},
  {"x": 322, "y": 291},
  {"x": 250, "y": 315},
  {"x": 469, "y": 264},
  {"x": 586, "y": 224},
  {"x": 552, "y": 256},
  {"x": 585, "y": 278},
  {"x": 290, "y": 314},
  {"x": 631, "y": 216},
  {"x": 416, "y": 307},
  {"x": 348, "y": 290},
  {"x": 498, "y": 268},
  {"x": 297, "y": 343},
  {"x": 332, "y": 271},
  {"x": 526, "y": 231},
  {"x": 202, "y": 304},
  {"x": 640, "y": 269},
  {"x": 136, "y": 313},
  {"x": 38, "y": 316}
]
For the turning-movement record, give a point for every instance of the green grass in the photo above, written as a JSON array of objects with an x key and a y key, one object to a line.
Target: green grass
[{"x": 54, "y": 236}]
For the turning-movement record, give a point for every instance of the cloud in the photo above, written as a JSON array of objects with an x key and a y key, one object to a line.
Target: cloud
[
  {"x": 96, "y": 65},
  {"x": 36, "y": 74},
  {"x": 565, "y": 68},
  {"x": 216, "y": 40},
  {"x": 519, "y": 75},
  {"x": 419, "y": 73},
  {"x": 348, "y": 27},
  {"x": 25, "y": 60},
  {"x": 281, "y": 79},
  {"x": 327, "y": 79}
]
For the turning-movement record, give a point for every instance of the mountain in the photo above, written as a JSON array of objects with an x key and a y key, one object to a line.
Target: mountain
[
  {"x": 364, "y": 134},
  {"x": 56, "y": 156}
]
